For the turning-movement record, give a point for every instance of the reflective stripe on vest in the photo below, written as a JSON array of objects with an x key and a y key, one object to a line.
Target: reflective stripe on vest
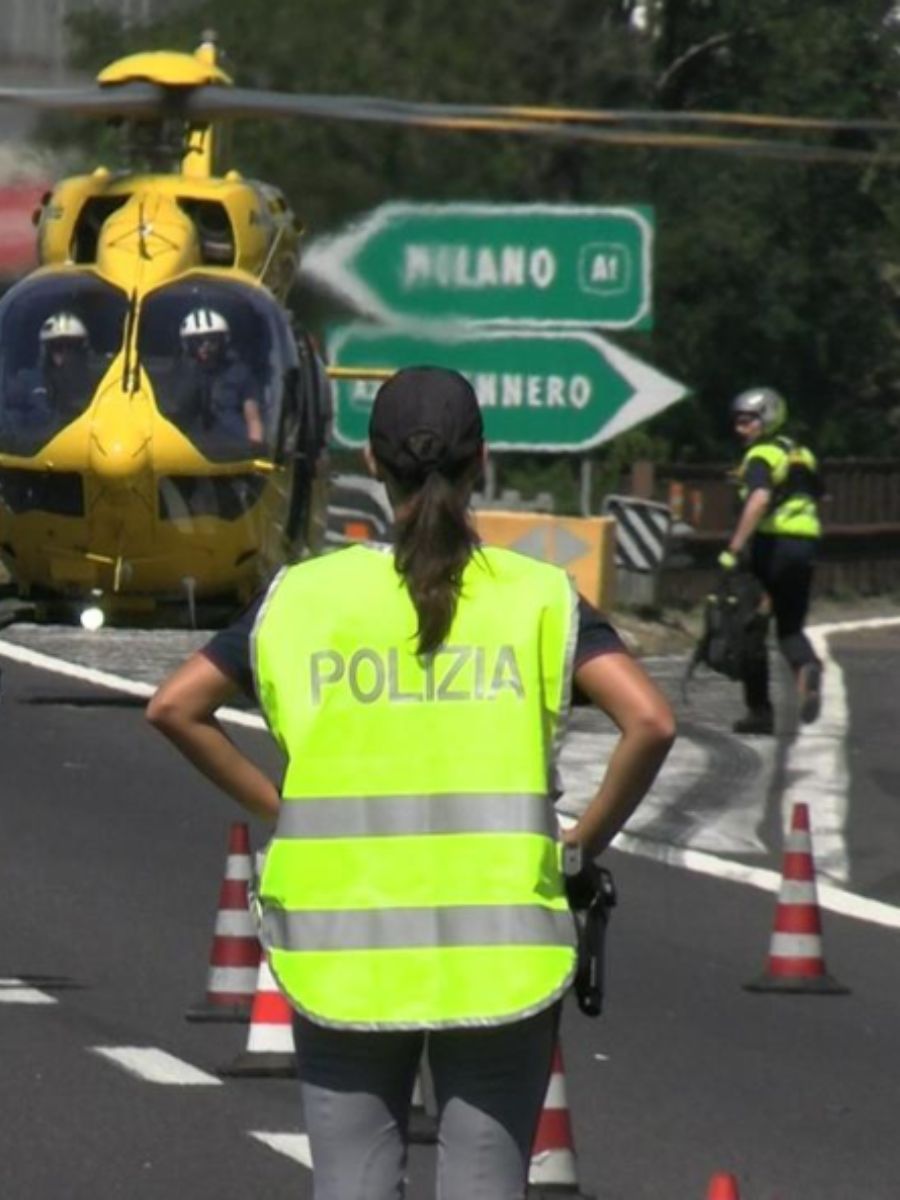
[
  {"x": 387, "y": 816},
  {"x": 793, "y": 511},
  {"x": 413, "y": 880},
  {"x": 404, "y": 928}
]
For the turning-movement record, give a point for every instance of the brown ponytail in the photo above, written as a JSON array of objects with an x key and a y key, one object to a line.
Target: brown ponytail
[{"x": 434, "y": 539}]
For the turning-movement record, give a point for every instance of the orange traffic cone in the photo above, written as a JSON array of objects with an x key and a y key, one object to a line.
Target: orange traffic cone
[
  {"x": 234, "y": 957},
  {"x": 552, "y": 1169},
  {"x": 796, "y": 962},
  {"x": 723, "y": 1187},
  {"x": 270, "y": 1044}
]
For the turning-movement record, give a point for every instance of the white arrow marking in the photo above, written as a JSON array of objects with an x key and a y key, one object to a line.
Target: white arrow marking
[{"x": 293, "y": 1145}]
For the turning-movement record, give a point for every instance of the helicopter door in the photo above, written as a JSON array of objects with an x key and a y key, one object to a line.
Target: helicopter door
[
  {"x": 58, "y": 335},
  {"x": 213, "y": 352},
  {"x": 309, "y": 433}
]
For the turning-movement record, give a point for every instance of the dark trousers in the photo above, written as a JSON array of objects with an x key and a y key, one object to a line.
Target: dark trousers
[{"x": 784, "y": 567}]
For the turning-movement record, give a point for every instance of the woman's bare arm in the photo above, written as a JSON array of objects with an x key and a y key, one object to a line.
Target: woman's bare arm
[
  {"x": 621, "y": 688},
  {"x": 183, "y": 708}
]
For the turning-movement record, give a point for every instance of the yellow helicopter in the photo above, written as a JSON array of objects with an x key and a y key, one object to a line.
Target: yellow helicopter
[{"x": 163, "y": 423}]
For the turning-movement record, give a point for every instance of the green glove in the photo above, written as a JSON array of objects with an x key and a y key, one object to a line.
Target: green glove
[{"x": 728, "y": 561}]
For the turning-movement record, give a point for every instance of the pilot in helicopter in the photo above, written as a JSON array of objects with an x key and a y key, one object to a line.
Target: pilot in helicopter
[
  {"x": 216, "y": 393},
  {"x": 43, "y": 398}
]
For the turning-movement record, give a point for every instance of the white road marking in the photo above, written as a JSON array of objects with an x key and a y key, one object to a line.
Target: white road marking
[
  {"x": 16, "y": 991},
  {"x": 294, "y": 1145},
  {"x": 48, "y": 662},
  {"x": 816, "y": 769},
  {"x": 836, "y": 900},
  {"x": 156, "y": 1066}
]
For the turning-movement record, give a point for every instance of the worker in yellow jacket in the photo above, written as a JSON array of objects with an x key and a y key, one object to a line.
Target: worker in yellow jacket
[
  {"x": 412, "y": 894},
  {"x": 776, "y": 537}
]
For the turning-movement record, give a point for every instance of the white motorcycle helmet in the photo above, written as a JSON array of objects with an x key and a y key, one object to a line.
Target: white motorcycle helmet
[{"x": 765, "y": 404}]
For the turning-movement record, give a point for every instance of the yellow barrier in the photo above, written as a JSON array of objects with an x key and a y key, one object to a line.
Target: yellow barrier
[{"x": 584, "y": 546}]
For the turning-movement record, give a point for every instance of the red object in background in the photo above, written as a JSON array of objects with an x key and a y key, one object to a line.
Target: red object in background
[
  {"x": 18, "y": 236},
  {"x": 723, "y": 1187}
]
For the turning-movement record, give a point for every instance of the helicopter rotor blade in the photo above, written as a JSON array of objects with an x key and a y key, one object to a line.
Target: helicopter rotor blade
[
  {"x": 144, "y": 100},
  {"x": 600, "y": 126},
  {"x": 666, "y": 118},
  {"x": 136, "y": 99}
]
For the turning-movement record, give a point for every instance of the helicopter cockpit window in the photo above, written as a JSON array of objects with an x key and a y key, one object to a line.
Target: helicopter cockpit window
[
  {"x": 217, "y": 357},
  {"x": 58, "y": 335}
]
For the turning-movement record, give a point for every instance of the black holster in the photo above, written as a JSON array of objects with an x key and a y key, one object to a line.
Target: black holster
[{"x": 591, "y": 893}]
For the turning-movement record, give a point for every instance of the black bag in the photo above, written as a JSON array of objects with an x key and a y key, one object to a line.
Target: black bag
[{"x": 734, "y": 627}]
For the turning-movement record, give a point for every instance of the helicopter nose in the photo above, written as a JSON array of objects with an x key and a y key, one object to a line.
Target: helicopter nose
[{"x": 119, "y": 451}]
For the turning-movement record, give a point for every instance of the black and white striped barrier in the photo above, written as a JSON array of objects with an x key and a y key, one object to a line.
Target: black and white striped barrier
[{"x": 642, "y": 531}]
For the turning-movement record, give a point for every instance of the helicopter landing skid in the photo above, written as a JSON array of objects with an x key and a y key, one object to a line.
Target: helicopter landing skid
[{"x": 13, "y": 609}]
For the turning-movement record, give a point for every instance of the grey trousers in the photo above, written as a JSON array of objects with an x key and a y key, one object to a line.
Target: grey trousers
[{"x": 489, "y": 1087}]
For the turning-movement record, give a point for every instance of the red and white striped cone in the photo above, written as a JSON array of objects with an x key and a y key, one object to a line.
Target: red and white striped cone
[
  {"x": 552, "y": 1170},
  {"x": 235, "y": 953},
  {"x": 270, "y": 1044},
  {"x": 796, "y": 962},
  {"x": 723, "y": 1187}
]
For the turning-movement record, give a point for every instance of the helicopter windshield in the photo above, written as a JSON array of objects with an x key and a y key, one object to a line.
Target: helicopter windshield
[
  {"x": 58, "y": 335},
  {"x": 219, "y": 356}
]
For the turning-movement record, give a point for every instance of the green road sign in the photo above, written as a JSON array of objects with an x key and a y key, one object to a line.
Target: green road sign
[
  {"x": 538, "y": 390},
  {"x": 535, "y": 264}
]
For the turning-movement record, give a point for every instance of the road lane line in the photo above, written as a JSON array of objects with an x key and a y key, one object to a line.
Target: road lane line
[
  {"x": 816, "y": 770},
  {"x": 156, "y": 1066},
  {"x": 49, "y": 662},
  {"x": 294, "y": 1145},
  {"x": 836, "y": 900},
  {"x": 16, "y": 991}
]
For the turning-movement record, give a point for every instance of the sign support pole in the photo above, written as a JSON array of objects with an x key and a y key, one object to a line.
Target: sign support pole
[{"x": 587, "y": 484}]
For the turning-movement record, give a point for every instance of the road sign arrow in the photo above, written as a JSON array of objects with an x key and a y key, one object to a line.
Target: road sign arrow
[
  {"x": 539, "y": 390},
  {"x": 500, "y": 264}
]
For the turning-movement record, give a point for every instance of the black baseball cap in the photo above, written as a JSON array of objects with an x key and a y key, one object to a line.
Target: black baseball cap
[{"x": 425, "y": 419}]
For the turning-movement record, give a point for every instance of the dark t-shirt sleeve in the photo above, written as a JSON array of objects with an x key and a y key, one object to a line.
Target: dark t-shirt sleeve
[
  {"x": 757, "y": 474},
  {"x": 229, "y": 649}
]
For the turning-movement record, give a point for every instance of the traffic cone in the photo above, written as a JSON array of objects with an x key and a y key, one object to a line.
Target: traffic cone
[
  {"x": 723, "y": 1187},
  {"x": 796, "y": 962},
  {"x": 235, "y": 953},
  {"x": 552, "y": 1168},
  {"x": 270, "y": 1044}
]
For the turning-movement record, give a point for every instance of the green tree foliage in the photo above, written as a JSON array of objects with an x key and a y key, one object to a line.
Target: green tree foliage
[{"x": 765, "y": 272}]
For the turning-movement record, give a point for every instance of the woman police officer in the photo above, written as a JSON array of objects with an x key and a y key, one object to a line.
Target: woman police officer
[{"x": 412, "y": 893}]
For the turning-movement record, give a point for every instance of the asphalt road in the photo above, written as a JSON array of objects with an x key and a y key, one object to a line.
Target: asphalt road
[{"x": 110, "y": 863}]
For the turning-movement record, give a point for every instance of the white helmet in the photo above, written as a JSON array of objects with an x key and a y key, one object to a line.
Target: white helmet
[
  {"x": 201, "y": 322},
  {"x": 63, "y": 325},
  {"x": 765, "y": 404}
]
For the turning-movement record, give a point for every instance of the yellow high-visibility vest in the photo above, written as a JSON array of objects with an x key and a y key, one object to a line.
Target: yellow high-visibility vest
[
  {"x": 793, "y": 511},
  {"x": 414, "y": 880}
]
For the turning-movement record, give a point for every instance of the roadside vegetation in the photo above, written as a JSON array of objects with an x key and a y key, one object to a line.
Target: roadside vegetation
[{"x": 781, "y": 273}]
